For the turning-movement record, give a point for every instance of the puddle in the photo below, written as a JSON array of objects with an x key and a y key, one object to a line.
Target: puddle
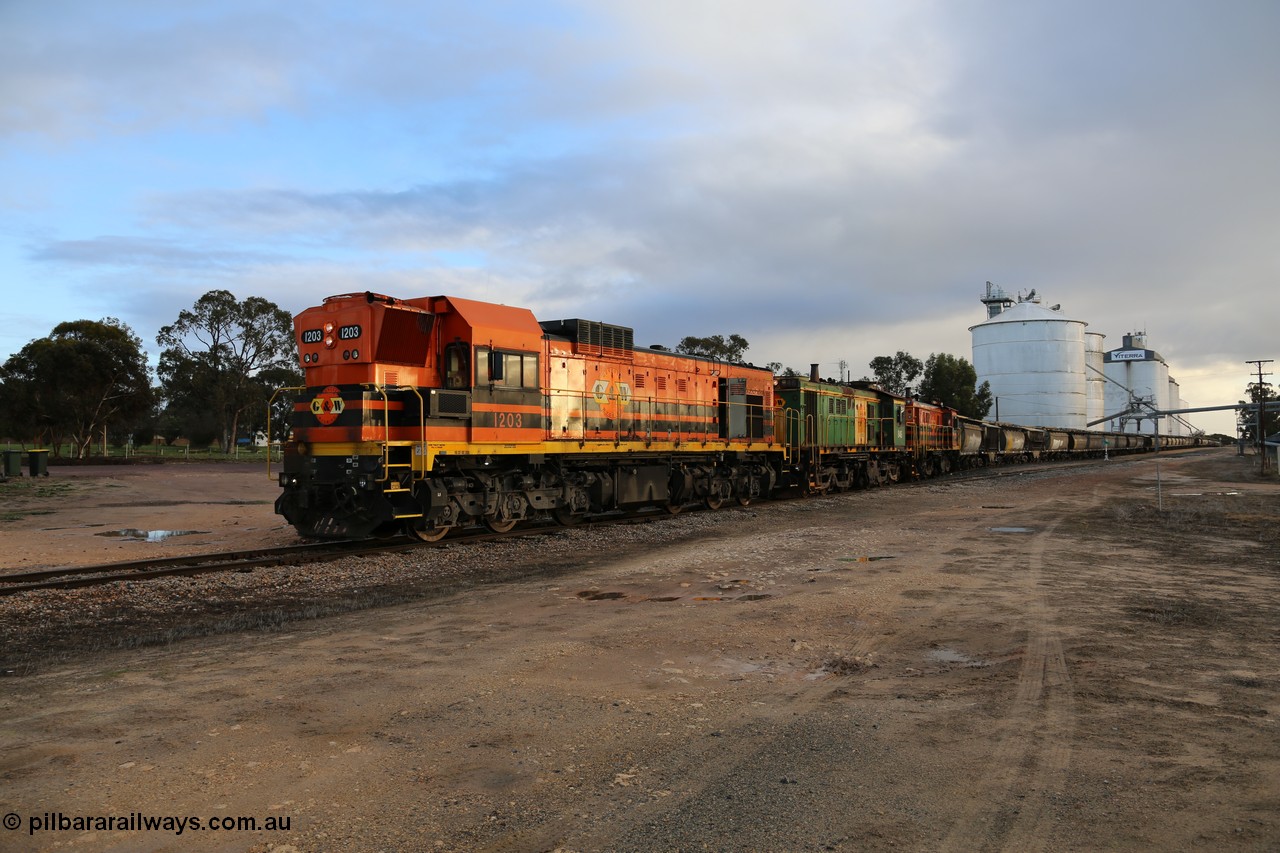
[
  {"x": 601, "y": 596},
  {"x": 1011, "y": 529},
  {"x": 943, "y": 654},
  {"x": 148, "y": 535}
]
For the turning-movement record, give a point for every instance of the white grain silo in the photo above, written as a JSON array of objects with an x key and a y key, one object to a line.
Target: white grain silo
[
  {"x": 1174, "y": 426},
  {"x": 1095, "y": 380},
  {"x": 1142, "y": 373},
  {"x": 1034, "y": 358}
]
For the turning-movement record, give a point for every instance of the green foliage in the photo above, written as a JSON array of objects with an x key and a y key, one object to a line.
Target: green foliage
[
  {"x": 783, "y": 372},
  {"x": 715, "y": 346},
  {"x": 944, "y": 378},
  {"x": 84, "y": 377},
  {"x": 1248, "y": 419},
  {"x": 951, "y": 381},
  {"x": 896, "y": 373},
  {"x": 221, "y": 361},
  {"x": 145, "y": 433}
]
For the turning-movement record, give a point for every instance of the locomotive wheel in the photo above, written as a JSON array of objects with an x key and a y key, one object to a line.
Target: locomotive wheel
[
  {"x": 714, "y": 501},
  {"x": 744, "y": 500},
  {"x": 500, "y": 525},
  {"x": 674, "y": 508},
  {"x": 568, "y": 517},
  {"x": 426, "y": 534}
]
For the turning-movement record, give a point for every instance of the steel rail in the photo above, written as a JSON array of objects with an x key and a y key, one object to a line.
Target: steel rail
[{"x": 74, "y": 577}]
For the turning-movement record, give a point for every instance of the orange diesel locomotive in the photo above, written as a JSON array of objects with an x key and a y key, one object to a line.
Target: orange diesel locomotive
[{"x": 421, "y": 415}]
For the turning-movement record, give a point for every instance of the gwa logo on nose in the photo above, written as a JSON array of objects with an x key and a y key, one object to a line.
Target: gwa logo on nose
[{"x": 327, "y": 405}]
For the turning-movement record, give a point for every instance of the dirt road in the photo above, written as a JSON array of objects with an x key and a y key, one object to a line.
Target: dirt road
[{"x": 1039, "y": 663}]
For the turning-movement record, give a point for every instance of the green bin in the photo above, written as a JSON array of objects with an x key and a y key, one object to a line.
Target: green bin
[
  {"x": 12, "y": 463},
  {"x": 38, "y": 462}
]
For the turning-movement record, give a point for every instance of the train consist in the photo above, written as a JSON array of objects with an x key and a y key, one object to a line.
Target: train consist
[{"x": 424, "y": 415}]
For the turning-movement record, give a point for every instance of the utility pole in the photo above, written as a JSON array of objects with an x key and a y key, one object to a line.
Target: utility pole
[{"x": 1261, "y": 439}]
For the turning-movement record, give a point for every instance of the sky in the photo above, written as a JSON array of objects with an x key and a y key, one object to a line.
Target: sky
[{"x": 831, "y": 180}]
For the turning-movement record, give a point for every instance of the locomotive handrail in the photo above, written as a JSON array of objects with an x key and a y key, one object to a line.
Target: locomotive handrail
[
  {"x": 386, "y": 427},
  {"x": 791, "y": 425},
  {"x": 386, "y": 431},
  {"x": 275, "y": 394},
  {"x": 422, "y": 426},
  {"x": 815, "y": 447}
]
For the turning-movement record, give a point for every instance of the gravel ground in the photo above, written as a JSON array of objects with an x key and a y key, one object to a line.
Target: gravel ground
[
  {"x": 1039, "y": 663},
  {"x": 46, "y": 627}
]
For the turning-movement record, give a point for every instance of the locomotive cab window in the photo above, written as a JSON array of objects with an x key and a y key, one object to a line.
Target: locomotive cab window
[
  {"x": 506, "y": 369},
  {"x": 455, "y": 366}
]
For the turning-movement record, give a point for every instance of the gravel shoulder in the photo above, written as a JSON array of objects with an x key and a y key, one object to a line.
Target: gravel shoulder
[{"x": 1039, "y": 662}]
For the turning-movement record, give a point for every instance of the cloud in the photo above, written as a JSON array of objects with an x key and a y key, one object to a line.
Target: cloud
[
  {"x": 152, "y": 254},
  {"x": 822, "y": 178}
]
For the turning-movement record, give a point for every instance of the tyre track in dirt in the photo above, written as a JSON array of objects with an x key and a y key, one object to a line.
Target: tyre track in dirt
[{"x": 1010, "y": 808}]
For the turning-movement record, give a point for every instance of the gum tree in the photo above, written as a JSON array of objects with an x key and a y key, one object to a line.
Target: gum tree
[
  {"x": 219, "y": 358},
  {"x": 953, "y": 381},
  {"x": 730, "y": 349},
  {"x": 84, "y": 377},
  {"x": 896, "y": 373}
]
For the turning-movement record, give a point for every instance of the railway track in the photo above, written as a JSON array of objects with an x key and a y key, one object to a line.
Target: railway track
[{"x": 72, "y": 577}]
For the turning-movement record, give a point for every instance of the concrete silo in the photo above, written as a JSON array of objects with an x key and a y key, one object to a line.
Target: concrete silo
[
  {"x": 1140, "y": 372},
  {"x": 1034, "y": 358},
  {"x": 1095, "y": 380},
  {"x": 1174, "y": 426}
]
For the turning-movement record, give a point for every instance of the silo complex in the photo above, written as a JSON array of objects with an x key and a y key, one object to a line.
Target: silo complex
[
  {"x": 1046, "y": 370},
  {"x": 1034, "y": 358}
]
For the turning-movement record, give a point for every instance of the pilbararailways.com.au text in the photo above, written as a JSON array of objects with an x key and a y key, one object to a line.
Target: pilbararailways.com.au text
[{"x": 139, "y": 822}]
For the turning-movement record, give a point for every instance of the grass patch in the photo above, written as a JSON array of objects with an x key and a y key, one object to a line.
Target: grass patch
[
  {"x": 28, "y": 488},
  {"x": 18, "y": 494},
  {"x": 1201, "y": 514}
]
